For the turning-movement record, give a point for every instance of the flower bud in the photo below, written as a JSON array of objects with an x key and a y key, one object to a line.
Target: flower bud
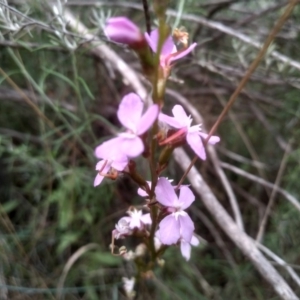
[{"x": 122, "y": 30}]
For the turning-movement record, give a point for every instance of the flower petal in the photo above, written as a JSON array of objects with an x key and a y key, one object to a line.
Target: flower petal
[
  {"x": 168, "y": 47},
  {"x": 120, "y": 164},
  {"x": 169, "y": 230},
  {"x": 165, "y": 193},
  {"x": 104, "y": 167},
  {"x": 169, "y": 120},
  {"x": 146, "y": 219},
  {"x": 132, "y": 147},
  {"x": 196, "y": 144},
  {"x": 183, "y": 53},
  {"x": 98, "y": 179},
  {"x": 195, "y": 241},
  {"x": 186, "y": 226},
  {"x": 185, "y": 249},
  {"x": 141, "y": 192},
  {"x": 179, "y": 114},
  {"x": 186, "y": 197},
  {"x": 122, "y": 30},
  {"x": 130, "y": 111},
  {"x": 212, "y": 140},
  {"x": 153, "y": 38},
  {"x": 147, "y": 119},
  {"x": 109, "y": 149}
]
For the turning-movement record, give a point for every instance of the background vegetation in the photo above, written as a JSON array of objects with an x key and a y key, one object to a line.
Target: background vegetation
[{"x": 58, "y": 101}]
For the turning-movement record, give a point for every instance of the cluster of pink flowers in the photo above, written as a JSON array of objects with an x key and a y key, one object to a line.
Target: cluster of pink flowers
[{"x": 173, "y": 224}]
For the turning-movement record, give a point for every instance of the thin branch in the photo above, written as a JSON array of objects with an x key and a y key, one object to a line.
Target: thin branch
[
  {"x": 263, "y": 224},
  {"x": 263, "y": 182},
  {"x": 147, "y": 16},
  {"x": 242, "y": 159},
  {"x": 241, "y": 239},
  {"x": 280, "y": 262}
]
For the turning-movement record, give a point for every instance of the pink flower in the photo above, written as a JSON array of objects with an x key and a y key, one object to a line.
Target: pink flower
[
  {"x": 111, "y": 156},
  {"x": 131, "y": 117},
  {"x": 178, "y": 224},
  {"x": 186, "y": 247},
  {"x": 192, "y": 133},
  {"x": 135, "y": 220},
  {"x": 169, "y": 51},
  {"x": 122, "y": 30},
  {"x": 122, "y": 229}
]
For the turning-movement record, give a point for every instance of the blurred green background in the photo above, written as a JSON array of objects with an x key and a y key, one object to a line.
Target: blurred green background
[{"x": 58, "y": 101}]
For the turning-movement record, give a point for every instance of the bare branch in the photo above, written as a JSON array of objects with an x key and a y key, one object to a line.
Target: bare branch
[{"x": 263, "y": 182}]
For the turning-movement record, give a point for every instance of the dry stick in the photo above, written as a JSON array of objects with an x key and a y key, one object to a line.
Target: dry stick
[
  {"x": 216, "y": 235},
  {"x": 241, "y": 132},
  {"x": 280, "y": 261},
  {"x": 263, "y": 182},
  {"x": 214, "y": 157},
  {"x": 243, "y": 136},
  {"x": 147, "y": 16},
  {"x": 247, "y": 76},
  {"x": 241, "y": 239},
  {"x": 262, "y": 226},
  {"x": 82, "y": 250}
]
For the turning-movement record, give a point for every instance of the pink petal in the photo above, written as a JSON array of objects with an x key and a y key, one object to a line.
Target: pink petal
[
  {"x": 146, "y": 219},
  {"x": 183, "y": 53},
  {"x": 212, "y": 140},
  {"x": 168, "y": 46},
  {"x": 147, "y": 119},
  {"x": 141, "y": 192},
  {"x": 186, "y": 226},
  {"x": 130, "y": 111},
  {"x": 186, "y": 197},
  {"x": 132, "y": 147},
  {"x": 98, "y": 179},
  {"x": 109, "y": 149},
  {"x": 194, "y": 241},
  {"x": 185, "y": 249},
  {"x": 120, "y": 164},
  {"x": 179, "y": 114},
  {"x": 169, "y": 120},
  {"x": 122, "y": 30},
  {"x": 104, "y": 170},
  {"x": 165, "y": 193},
  {"x": 152, "y": 39},
  {"x": 135, "y": 223},
  {"x": 169, "y": 230},
  {"x": 196, "y": 144}
]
